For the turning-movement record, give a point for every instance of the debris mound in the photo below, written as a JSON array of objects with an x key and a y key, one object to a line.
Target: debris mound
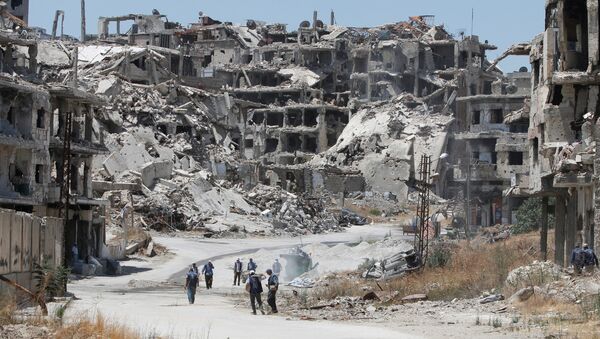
[{"x": 294, "y": 214}]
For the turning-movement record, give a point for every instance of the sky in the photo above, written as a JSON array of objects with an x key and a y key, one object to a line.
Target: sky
[{"x": 502, "y": 23}]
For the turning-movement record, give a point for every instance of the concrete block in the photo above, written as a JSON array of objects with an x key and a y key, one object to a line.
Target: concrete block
[{"x": 156, "y": 170}]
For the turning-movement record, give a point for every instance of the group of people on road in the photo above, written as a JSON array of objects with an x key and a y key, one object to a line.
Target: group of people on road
[
  {"x": 253, "y": 283},
  {"x": 192, "y": 279},
  {"x": 583, "y": 259}
]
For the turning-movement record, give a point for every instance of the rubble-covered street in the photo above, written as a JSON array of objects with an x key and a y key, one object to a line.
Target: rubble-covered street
[{"x": 230, "y": 176}]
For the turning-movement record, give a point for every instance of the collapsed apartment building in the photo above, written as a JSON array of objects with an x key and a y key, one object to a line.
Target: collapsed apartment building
[
  {"x": 283, "y": 102},
  {"x": 562, "y": 133},
  {"x": 178, "y": 122}
]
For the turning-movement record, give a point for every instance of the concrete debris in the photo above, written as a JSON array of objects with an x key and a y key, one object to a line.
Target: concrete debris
[
  {"x": 302, "y": 283},
  {"x": 348, "y": 217},
  {"x": 414, "y": 298},
  {"x": 394, "y": 266},
  {"x": 491, "y": 299},
  {"x": 294, "y": 214},
  {"x": 522, "y": 295},
  {"x": 536, "y": 274}
]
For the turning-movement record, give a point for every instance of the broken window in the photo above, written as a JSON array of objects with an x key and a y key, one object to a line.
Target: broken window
[
  {"x": 535, "y": 145},
  {"x": 275, "y": 119},
  {"x": 249, "y": 143},
  {"x": 294, "y": 118},
  {"x": 476, "y": 118},
  {"x": 41, "y": 118},
  {"x": 39, "y": 174},
  {"x": 258, "y": 118},
  {"x": 515, "y": 158},
  {"x": 536, "y": 73},
  {"x": 207, "y": 60},
  {"x": 294, "y": 143},
  {"x": 311, "y": 118},
  {"x": 310, "y": 144},
  {"x": 271, "y": 145},
  {"x": 556, "y": 96},
  {"x": 497, "y": 116}
]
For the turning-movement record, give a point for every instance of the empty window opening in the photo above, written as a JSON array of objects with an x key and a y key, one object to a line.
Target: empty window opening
[
  {"x": 294, "y": 118},
  {"x": 249, "y": 143},
  {"x": 311, "y": 118},
  {"x": 535, "y": 145},
  {"x": 275, "y": 119},
  {"x": 310, "y": 145},
  {"x": 497, "y": 116},
  {"x": 294, "y": 143},
  {"x": 476, "y": 119},
  {"x": 515, "y": 158},
  {"x": 556, "y": 95},
  {"x": 39, "y": 174},
  {"x": 258, "y": 118},
  {"x": 271, "y": 145},
  {"x": 41, "y": 118},
  {"x": 207, "y": 60}
]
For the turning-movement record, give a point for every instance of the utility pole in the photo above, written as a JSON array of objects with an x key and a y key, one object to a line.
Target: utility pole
[
  {"x": 82, "y": 20},
  {"x": 468, "y": 202}
]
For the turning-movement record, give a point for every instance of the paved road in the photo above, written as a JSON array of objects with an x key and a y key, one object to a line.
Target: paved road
[{"x": 140, "y": 301}]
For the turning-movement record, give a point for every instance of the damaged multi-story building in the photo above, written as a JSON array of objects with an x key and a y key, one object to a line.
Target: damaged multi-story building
[
  {"x": 562, "y": 133},
  {"x": 42, "y": 174},
  {"x": 290, "y": 95}
]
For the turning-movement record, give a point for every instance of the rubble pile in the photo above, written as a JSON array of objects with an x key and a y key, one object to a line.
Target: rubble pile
[
  {"x": 536, "y": 274},
  {"x": 391, "y": 134},
  {"x": 294, "y": 214}
]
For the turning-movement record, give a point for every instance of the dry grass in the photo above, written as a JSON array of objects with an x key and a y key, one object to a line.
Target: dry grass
[
  {"x": 472, "y": 269},
  {"x": 83, "y": 328},
  {"x": 97, "y": 328}
]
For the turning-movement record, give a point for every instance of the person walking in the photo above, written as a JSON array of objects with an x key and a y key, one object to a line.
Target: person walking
[
  {"x": 591, "y": 260},
  {"x": 273, "y": 286},
  {"x": 207, "y": 270},
  {"x": 252, "y": 265},
  {"x": 254, "y": 287},
  {"x": 277, "y": 268},
  {"x": 577, "y": 259},
  {"x": 237, "y": 272},
  {"x": 191, "y": 282}
]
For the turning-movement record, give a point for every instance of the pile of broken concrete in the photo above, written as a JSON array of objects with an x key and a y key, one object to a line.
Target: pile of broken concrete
[{"x": 291, "y": 213}]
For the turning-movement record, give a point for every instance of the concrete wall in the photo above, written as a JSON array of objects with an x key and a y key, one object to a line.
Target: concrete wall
[{"x": 26, "y": 241}]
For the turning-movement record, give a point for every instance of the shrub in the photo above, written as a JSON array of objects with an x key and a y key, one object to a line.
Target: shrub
[
  {"x": 375, "y": 212},
  {"x": 528, "y": 216},
  {"x": 51, "y": 281}
]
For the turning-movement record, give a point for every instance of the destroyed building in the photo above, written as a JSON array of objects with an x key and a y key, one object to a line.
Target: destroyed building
[
  {"x": 43, "y": 174},
  {"x": 282, "y": 102},
  {"x": 562, "y": 133}
]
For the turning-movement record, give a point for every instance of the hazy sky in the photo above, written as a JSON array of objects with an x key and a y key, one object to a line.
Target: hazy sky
[{"x": 501, "y": 22}]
